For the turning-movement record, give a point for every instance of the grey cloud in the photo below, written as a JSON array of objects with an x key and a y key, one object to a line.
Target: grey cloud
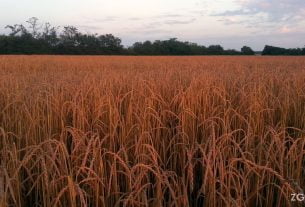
[
  {"x": 234, "y": 13},
  {"x": 143, "y": 33},
  {"x": 149, "y": 31},
  {"x": 147, "y": 28},
  {"x": 110, "y": 18},
  {"x": 156, "y": 26},
  {"x": 174, "y": 22},
  {"x": 88, "y": 27},
  {"x": 200, "y": 12},
  {"x": 172, "y": 19},
  {"x": 251, "y": 22},
  {"x": 169, "y": 15},
  {"x": 101, "y": 20},
  {"x": 275, "y": 10},
  {"x": 134, "y": 18},
  {"x": 152, "y": 25},
  {"x": 228, "y": 21},
  {"x": 185, "y": 14}
]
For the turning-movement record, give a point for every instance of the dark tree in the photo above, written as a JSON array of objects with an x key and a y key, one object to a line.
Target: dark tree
[
  {"x": 17, "y": 29},
  {"x": 245, "y": 50},
  {"x": 36, "y": 38},
  {"x": 176, "y": 47},
  {"x": 49, "y": 35},
  {"x": 34, "y": 26},
  {"x": 215, "y": 50},
  {"x": 271, "y": 50},
  {"x": 110, "y": 44}
]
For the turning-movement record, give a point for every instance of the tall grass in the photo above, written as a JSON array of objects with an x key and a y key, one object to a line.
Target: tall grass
[{"x": 151, "y": 131}]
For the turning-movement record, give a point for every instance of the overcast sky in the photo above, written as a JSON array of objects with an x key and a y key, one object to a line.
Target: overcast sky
[{"x": 231, "y": 23}]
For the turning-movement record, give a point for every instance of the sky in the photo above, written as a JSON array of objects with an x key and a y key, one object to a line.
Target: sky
[{"x": 231, "y": 23}]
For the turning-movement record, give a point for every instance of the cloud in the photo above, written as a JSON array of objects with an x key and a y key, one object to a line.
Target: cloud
[
  {"x": 160, "y": 23},
  {"x": 275, "y": 10},
  {"x": 158, "y": 27},
  {"x": 102, "y": 20},
  {"x": 285, "y": 30},
  {"x": 288, "y": 29},
  {"x": 169, "y": 16},
  {"x": 134, "y": 19},
  {"x": 234, "y": 13},
  {"x": 175, "y": 22},
  {"x": 231, "y": 20},
  {"x": 89, "y": 27},
  {"x": 149, "y": 31},
  {"x": 271, "y": 17}
]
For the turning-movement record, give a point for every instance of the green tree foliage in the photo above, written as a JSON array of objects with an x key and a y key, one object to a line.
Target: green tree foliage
[
  {"x": 271, "y": 50},
  {"x": 45, "y": 39},
  {"x": 175, "y": 47},
  {"x": 36, "y": 38},
  {"x": 215, "y": 50},
  {"x": 245, "y": 50}
]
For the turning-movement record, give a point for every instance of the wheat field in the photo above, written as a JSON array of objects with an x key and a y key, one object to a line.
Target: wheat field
[{"x": 151, "y": 131}]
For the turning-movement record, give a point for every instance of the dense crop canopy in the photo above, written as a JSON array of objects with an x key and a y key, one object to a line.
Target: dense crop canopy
[{"x": 151, "y": 131}]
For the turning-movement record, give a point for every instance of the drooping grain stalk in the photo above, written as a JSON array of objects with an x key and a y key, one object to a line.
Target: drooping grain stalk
[{"x": 151, "y": 131}]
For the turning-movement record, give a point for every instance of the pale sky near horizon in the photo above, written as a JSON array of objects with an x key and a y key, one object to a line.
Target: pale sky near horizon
[{"x": 231, "y": 23}]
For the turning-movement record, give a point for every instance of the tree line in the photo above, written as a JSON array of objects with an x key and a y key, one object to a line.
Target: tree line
[
  {"x": 271, "y": 50},
  {"x": 36, "y": 38}
]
